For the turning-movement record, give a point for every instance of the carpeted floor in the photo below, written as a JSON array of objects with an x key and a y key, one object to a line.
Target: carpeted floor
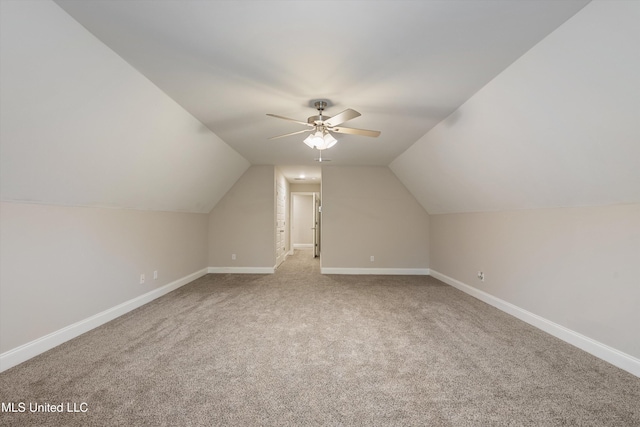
[{"x": 297, "y": 348}]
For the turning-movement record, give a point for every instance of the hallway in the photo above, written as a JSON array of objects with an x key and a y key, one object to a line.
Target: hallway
[{"x": 301, "y": 262}]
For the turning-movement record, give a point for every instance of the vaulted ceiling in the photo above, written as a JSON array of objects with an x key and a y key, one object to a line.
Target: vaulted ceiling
[
  {"x": 483, "y": 105},
  {"x": 404, "y": 65}
]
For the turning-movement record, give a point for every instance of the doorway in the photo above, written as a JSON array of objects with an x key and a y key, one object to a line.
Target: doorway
[{"x": 305, "y": 221}]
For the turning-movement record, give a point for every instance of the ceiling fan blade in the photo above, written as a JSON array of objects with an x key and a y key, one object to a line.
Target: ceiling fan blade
[
  {"x": 289, "y": 134},
  {"x": 342, "y": 117},
  {"x": 291, "y": 120},
  {"x": 352, "y": 131}
]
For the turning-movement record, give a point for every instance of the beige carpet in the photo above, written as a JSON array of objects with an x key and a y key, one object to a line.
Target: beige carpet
[{"x": 297, "y": 348}]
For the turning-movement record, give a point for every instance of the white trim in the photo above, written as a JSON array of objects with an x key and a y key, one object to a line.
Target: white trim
[
  {"x": 31, "y": 349},
  {"x": 596, "y": 348},
  {"x": 385, "y": 271},
  {"x": 303, "y": 245},
  {"x": 242, "y": 270}
]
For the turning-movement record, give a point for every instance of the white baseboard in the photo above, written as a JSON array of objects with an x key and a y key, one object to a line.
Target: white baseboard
[
  {"x": 303, "y": 245},
  {"x": 31, "y": 349},
  {"x": 596, "y": 348},
  {"x": 386, "y": 271},
  {"x": 242, "y": 270}
]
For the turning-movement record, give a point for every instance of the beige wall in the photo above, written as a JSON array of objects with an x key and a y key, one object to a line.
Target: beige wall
[
  {"x": 577, "y": 267},
  {"x": 243, "y": 222},
  {"x": 61, "y": 265},
  {"x": 367, "y": 211}
]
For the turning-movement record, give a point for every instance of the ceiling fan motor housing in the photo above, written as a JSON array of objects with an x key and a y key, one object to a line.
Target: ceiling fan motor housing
[{"x": 315, "y": 120}]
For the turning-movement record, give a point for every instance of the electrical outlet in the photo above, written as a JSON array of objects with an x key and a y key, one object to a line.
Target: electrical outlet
[
  {"x": 233, "y": 257},
  {"x": 372, "y": 258},
  {"x": 141, "y": 279},
  {"x": 481, "y": 276},
  {"x": 155, "y": 275}
]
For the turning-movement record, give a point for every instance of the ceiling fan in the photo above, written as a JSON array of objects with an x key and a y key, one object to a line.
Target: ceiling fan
[{"x": 321, "y": 127}]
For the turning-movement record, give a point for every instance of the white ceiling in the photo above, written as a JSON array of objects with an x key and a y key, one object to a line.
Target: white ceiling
[
  {"x": 405, "y": 65},
  {"x": 557, "y": 128}
]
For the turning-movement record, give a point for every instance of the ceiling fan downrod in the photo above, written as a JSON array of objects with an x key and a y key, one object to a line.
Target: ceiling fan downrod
[{"x": 320, "y": 106}]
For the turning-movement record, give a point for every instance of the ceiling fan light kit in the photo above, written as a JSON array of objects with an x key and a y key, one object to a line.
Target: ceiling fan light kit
[
  {"x": 320, "y": 140},
  {"x": 321, "y": 127}
]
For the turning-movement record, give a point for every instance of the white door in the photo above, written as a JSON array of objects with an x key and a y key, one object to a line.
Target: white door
[{"x": 281, "y": 247}]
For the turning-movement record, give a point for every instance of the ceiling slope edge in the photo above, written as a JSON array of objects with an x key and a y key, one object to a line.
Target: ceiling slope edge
[
  {"x": 82, "y": 127},
  {"x": 558, "y": 128}
]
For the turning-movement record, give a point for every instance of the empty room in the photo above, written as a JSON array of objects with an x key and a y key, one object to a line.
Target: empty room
[{"x": 319, "y": 212}]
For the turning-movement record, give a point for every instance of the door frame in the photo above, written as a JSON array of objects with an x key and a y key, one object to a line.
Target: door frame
[
  {"x": 285, "y": 239},
  {"x": 292, "y": 213}
]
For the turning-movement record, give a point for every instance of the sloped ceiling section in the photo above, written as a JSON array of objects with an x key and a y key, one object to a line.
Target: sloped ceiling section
[
  {"x": 405, "y": 65},
  {"x": 559, "y": 127},
  {"x": 81, "y": 127}
]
